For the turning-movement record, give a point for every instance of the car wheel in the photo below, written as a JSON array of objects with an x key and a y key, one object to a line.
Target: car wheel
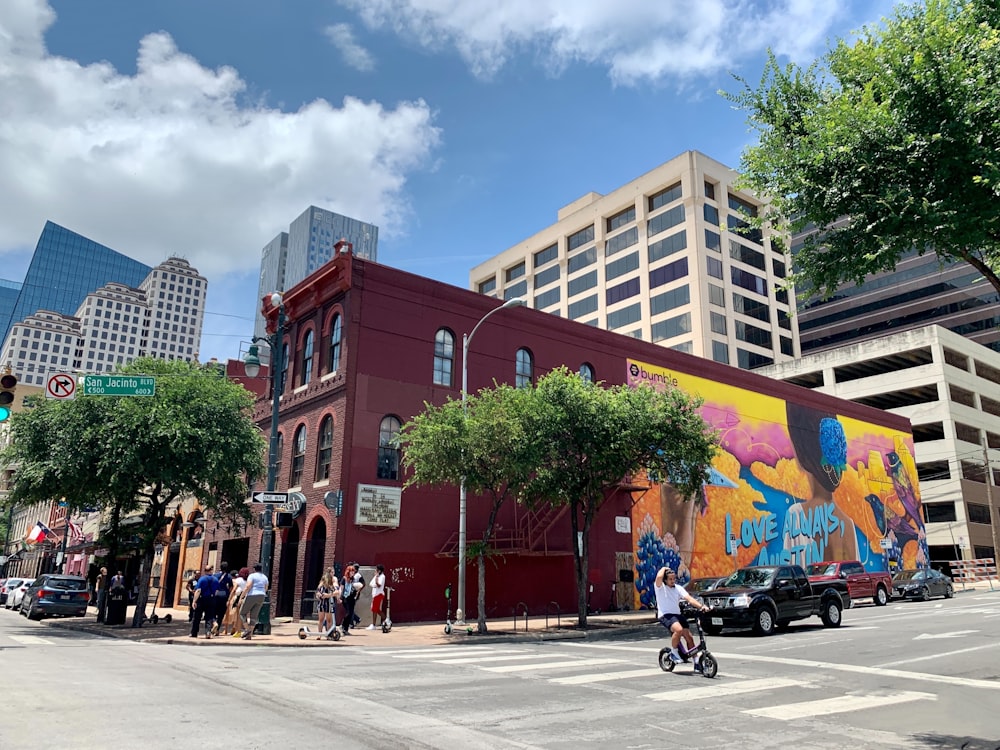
[
  {"x": 763, "y": 621},
  {"x": 925, "y": 594},
  {"x": 831, "y": 615},
  {"x": 32, "y": 615},
  {"x": 881, "y": 597},
  {"x": 949, "y": 591}
]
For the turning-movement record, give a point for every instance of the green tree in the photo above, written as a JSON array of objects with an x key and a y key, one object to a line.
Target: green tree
[
  {"x": 886, "y": 146},
  {"x": 590, "y": 437},
  {"x": 485, "y": 443},
  {"x": 123, "y": 454}
]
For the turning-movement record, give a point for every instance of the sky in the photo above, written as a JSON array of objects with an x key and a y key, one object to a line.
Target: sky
[{"x": 202, "y": 128}]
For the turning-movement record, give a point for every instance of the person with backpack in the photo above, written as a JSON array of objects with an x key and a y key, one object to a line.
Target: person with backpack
[
  {"x": 225, "y": 586},
  {"x": 359, "y": 584},
  {"x": 349, "y": 589}
]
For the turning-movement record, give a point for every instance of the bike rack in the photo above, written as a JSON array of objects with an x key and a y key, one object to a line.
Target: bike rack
[
  {"x": 517, "y": 609},
  {"x": 549, "y": 609}
]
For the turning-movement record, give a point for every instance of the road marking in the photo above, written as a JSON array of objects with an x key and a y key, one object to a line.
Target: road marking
[
  {"x": 826, "y": 706},
  {"x": 483, "y": 659},
  {"x": 935, "y": 636},
  {"x": 30, "y": 640},
  {"x": 431, "y": 654},
  {"x": 566, "y": 663},
  {"x": 434, "y": 650},
  {"x": 724, "y": 689},
  {"x": 586, "y": 679},
  {"x": 937, "y": 656}
]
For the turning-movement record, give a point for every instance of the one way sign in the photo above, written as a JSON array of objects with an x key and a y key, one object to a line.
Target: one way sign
[{"x": 270, "y": 497}]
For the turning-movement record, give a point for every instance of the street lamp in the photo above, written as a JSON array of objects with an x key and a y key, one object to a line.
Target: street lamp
[
  {"x": 462, "y": 496},
  {"x": 251, "y": 365}
]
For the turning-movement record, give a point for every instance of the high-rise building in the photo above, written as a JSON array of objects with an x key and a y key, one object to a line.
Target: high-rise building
[
  {"x": 9, "y": 292},
  {"x": 668, "y": 258},
  {"x": 309, "y": 243},
  {"x": 115, "y": 324},
  {"x": 64, "y": 269}
]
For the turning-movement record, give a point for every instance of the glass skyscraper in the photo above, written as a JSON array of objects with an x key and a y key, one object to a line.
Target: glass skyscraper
[
  {"x": 65, "y": 268},
  {"x": 9, "y": 292}
]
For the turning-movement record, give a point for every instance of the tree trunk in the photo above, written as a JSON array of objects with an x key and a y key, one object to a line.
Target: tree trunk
[
  {"x": 112, "y": 559},
  {"x": 153, "y": 526},
  {"x": 579, "y": 566},
  {"x": 481, "y": 596}
]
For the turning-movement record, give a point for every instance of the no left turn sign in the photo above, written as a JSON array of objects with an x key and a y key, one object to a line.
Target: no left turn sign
[{"x": 60, "y": 386}]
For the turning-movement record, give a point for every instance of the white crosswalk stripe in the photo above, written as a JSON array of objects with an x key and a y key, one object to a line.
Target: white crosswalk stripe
[
  {"x": 450, "y": 654},
  {"x": 565, "y": 663},
  {"x": 30, "y": 640},
  {"x": 586, "y": 679},
  {"x": 486, "y": 659},
  {"x": 840, "y": 704},
  {"x": 724, "y": 689}
]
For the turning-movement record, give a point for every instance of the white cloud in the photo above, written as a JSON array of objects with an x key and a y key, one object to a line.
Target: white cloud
[
  {"x": 635, "y": 39},
  {"x": 341, "y": 36},
  {"x": 174, "y": 160}
]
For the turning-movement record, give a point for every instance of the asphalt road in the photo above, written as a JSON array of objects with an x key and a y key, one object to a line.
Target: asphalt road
[{"x": 910, "y": 675}]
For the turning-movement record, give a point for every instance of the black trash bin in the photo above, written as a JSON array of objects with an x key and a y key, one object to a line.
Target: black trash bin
[{"x": 117, "y": 602}]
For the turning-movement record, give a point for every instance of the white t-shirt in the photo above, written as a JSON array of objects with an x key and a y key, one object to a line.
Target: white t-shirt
[
  {"x": 256, "y": 584},
  {"x": 378, "y": 584},
  {"x": 239, "y": 583},
  {"x": 668, "y": 599}
]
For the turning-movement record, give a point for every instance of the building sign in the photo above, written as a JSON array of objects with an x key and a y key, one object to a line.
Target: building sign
[{"x": 377, "y": 506}]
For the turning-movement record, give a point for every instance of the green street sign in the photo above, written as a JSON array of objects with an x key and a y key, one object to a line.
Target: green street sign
[{"x": 118, "y": 385}]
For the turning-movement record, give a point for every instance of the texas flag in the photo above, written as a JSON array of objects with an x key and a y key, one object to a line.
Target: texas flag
[{"x": 38, "y": 534}]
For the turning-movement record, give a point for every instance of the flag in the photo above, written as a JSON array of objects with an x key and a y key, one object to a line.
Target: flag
[
  {"x": 75, "y": 532},
  {"x": 38, "y": 534}
]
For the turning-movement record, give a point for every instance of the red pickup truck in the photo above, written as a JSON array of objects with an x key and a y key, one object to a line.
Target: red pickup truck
[{"x": 861, "y": 584}]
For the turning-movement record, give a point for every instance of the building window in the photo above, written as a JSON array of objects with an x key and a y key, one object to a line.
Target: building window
[
  {"x": 786, "y": 346},
  {"x": 284, "y": 368},
  {"x": 582, "y": 260},
  {"x": 747, "y": 255},
  {"x": 543, "y": 278},
  {"x": 444, "y": 357},
  {"x": 665, "y": 196},
  {"x": 711, "y": 214},
  {"x": 336, "y": 333},
  {"x": 490, "y": 285},
  {"x": 517, "y": 290},
  {"x": 307, "y": 358},
  {"x": 720, "y": 352},
  {"x": 753, "y": 334},
  {"x": 718, "y": 323},
  {"x": 579, "y": 239},
  {"x": 671, "y": 300},
  {"x": 544, "y": 256},
  {"x": 716, "y": 295},
  {"x": 709, "y": 190},
  {"x": 524, "y": 368},
  {"x": 621, "y": 292},
  {"x": 621, "y": 241},
  {"x": 298, "y": 457},
  {"x": 670, "y": 272},
  {"x": 749, "y": 360},
  {"x": 666, "y": 220},
  {"x": 587, "y": 372},
  {"x": 714, "y": 266},
  {"x": 581, "y": 283},
  {"x": 388, "y": 448},
  {"x": 625, "y": 316},
  {"x": 622, "y": 266},
  {"x": 545, "y": 299},
  {"x": 516, "y": 272},
  {"x": 667, "y": 329},
  {"x": 744, "y": 279},
  {"x": 620, "y": 219},
  {"x": 325, "y": 454},
  {"x": 713, "y": 241},
  {"x": 668, "y": 246},
  {"x": 582, "y": 307},
  {"x": 751, "y": 308}
]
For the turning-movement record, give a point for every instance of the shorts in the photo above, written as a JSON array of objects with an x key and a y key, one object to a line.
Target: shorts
[
  {"x": 668, "y": 620},
  {"x": 377, "y": 603}
]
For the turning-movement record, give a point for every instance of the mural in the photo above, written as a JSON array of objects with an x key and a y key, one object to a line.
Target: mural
[{"x": 790, "y": 484}]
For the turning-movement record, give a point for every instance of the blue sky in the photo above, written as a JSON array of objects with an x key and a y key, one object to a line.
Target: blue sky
[{"x": 201, "y": 128}]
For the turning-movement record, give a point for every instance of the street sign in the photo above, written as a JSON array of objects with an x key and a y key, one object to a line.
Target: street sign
[
  {"x": 118, "y": 385},
  {"x": 278, "y": 498},
  {"x": 60, "y": 386}
]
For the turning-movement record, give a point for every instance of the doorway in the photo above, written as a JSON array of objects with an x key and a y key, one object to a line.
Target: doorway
[
  {"x": 315, "y": 554},
  {"x": 286, "y": 576}
]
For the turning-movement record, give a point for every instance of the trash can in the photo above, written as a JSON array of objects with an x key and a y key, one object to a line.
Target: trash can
[{"x": 117, "y": 602}]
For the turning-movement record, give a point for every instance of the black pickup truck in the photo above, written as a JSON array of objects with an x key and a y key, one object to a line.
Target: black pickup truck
[{"x": 767, "y": 597}]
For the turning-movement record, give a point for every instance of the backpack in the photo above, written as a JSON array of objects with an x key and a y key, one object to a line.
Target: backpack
[{"x": 225, "y": 585}]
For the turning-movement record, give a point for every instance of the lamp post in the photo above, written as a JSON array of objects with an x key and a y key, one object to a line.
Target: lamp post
[
  {"x": 251, "y": 366},
  {"x": 463, "y": 496}
]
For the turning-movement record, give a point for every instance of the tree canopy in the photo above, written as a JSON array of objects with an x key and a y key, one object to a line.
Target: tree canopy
[
  {"x": 886, "y": 146},
  {"x": 125, "y": 454}
]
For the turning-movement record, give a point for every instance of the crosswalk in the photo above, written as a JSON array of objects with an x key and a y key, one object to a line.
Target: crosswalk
[{"x": 782, "y": 697}]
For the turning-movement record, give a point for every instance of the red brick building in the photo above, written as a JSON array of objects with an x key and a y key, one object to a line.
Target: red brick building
[{"x": 368, "y": 346}]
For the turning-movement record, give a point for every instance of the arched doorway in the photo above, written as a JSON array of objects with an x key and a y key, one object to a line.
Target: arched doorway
[
  {"x": 286, "y": 581},
  {"x": 315, "y": 553}
]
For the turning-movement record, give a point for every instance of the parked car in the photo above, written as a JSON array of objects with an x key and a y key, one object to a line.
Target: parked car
[
  {"x": 698, "y": 586},
  {"x": 861, "y": 583},
  {"x": 53, "y": 594},
  {"x": 15, "y": 595},
  {"x": 6, "y": 587},
  {"x": 921, "y": 584},
  {"x": 765, "y": 597}
]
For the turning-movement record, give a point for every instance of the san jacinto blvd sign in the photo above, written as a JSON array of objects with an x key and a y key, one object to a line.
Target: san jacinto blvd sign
[{"x": 118, "y": 385}]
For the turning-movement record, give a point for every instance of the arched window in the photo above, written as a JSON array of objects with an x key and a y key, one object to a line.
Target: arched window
[
  {"x": 587, "y": 372},
  {"x": 524, "y": 372},
  {"x": 325, "y": 454},
  {"x": 298, "y": 457},
  {"x": 388, "y": 448},
  {"x": 307, "y": 358},
  {"x": 279, "y": 449},
  {"x": 284, "y": 368},
  {"x": 335, "y": 334},
  {"x": 444, "y": 357}
]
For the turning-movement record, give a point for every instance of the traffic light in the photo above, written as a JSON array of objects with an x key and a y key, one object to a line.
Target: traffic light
[{"x": 8, "y": 383}]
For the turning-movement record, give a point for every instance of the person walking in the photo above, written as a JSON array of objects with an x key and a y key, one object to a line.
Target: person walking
[
  {"x": 253, "y": 600},
  {"x": 225, "y": 586},
  {"x": 204, "y": 602},
  {"x": 348, "y": 597},
  {"x": 359, "y": 583},
  {"x": 101, "y": 593},
  {"x": 326, "y": 599},
  {"x": 231, "y": 623},
  {"x": 378, "y": 595},
  {"x": 191, "y": 586}
]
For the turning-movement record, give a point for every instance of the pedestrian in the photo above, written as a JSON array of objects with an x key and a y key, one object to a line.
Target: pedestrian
[
  {"x": 348, "y": 597},
  {"x": 191, "y": 586},
  {"x": 204, "y": 602},
  {"x": 222, "y": 592},
  {"x": 117, "y": 581},
  {"x": 359, "y": 584},
  {"x": 378, "y": 595},
  {"x": 101, "y": 592},
  {"x": 253, "y": 600},
  {"x": 231, "y": 622},
  {"x": 326, "y": 599}
]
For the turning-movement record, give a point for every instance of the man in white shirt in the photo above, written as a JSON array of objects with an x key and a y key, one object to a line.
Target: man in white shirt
[
  {"x": 253, "y": 601},
  {"x": 378, "y": 595},
  {"x": 669, "y": 595}
]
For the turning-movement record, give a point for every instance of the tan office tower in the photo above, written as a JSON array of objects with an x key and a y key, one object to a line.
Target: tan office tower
[{"x": 667, "y": 258}]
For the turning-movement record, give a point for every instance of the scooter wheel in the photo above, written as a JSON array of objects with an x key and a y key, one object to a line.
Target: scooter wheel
[
  {"x": 335, "y": 635},
  {"x": 666, "y": 663},
  {"x": 709, "y": 666},
  {"x": 447, "y": 629},
  {"x": 168, "y": 619},
  {"x": 154, "y": 619},
  {"x": 303, "y": 634},
  {"x": 386, "y": 627}
]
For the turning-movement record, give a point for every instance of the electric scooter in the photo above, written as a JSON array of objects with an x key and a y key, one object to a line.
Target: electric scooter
[
  {"x": 707, "y": 665},
  {"x": 386, "y": 620},
  {"x": 447, "y": 619},
  {"x": 332, "y": 633}
]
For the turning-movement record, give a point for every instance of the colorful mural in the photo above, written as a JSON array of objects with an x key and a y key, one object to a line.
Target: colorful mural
[{"x": 790, "y": 484}]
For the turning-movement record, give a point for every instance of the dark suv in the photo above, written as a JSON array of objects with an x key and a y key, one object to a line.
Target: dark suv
[{"x": 53, "y": 594}]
